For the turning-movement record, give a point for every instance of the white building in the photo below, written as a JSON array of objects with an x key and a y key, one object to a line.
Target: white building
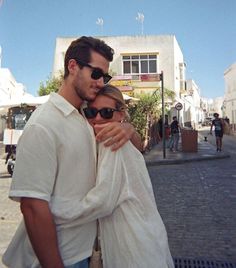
[
  {"x": 229, "y": 104},
  {"x": 9, "y": 88},
  {"x": 217, "y": 105},
  {"x": 192, "y": 112},
  {"x": 137, "y": 62}
]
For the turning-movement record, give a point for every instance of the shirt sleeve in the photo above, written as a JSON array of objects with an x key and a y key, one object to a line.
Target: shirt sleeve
[
  {"x": 36, "y": 165},
  {"x": 102, "y": 199}
]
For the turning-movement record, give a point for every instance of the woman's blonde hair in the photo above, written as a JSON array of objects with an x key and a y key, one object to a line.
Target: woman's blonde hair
[{"x": 115, "y": 94}]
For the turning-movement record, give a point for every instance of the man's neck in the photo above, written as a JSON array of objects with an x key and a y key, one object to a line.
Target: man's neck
[{"x": 68, "y": 93}]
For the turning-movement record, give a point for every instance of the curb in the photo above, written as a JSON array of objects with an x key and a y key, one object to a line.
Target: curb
[{"x": 185, "y": 160}]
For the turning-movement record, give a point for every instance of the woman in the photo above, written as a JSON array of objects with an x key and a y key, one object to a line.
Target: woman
[{"x": 132, "y": 233}]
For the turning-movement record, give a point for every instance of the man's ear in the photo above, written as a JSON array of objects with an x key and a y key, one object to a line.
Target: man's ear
[{"x": 72, "y": 66}]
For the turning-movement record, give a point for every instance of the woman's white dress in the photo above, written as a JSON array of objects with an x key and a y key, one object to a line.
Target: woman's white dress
[{"x": 132, "y": 232}]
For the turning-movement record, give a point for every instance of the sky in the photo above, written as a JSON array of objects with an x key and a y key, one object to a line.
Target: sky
[{"x": 204, "y": 29}]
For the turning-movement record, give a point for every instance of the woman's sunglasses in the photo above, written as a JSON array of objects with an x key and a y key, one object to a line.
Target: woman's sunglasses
[
  {"x": 106, "y": 113},
  {"x": 97, "y": 73}
]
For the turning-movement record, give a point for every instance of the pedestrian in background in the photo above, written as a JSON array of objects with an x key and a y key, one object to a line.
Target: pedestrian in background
[
  {"x": 174, "y": 131},
  {"x": 218, "y": 124},
  {"x": 56, "y": 161},
  {"x": 160, "y": 123}
]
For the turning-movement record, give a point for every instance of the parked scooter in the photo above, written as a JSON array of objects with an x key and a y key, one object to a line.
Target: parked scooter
[{"x": 10, "y": 150}]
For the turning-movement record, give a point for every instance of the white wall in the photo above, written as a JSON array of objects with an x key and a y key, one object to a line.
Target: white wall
[
  {"x": 230, "y": 93},
  {"x": 9, "y": 89},
  {"x": 192, "y": 112},
  {"x": 217, "y": 105},
  {"x": 166, "y": 46},
  {"x": 170, "y": 61}
]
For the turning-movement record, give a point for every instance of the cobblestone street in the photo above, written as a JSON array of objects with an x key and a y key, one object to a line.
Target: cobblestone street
[
  {"x": 9, "y": 211},
  {"x": 197, "y": 203}
]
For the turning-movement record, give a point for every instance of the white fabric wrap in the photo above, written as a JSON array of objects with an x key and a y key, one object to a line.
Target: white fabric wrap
[{"x": 132, "y": 232}]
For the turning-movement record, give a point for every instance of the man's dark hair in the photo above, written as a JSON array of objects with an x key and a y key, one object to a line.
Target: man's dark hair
[{"x": 81, "y": 49}]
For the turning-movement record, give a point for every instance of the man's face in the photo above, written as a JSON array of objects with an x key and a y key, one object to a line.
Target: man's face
[{"x": 85, "y": 86}]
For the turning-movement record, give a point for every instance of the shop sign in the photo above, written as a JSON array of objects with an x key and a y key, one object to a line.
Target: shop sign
[
  {"x": 150, "y": 77},
  {"x": 121, "y": 83}
]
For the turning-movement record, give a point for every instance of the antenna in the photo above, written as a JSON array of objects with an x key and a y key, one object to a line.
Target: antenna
[
  {"x": 100, "y": 23},
  {"x": 140, "y": 18}
]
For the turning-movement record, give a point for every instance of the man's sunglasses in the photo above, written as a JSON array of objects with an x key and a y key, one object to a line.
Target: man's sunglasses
[
  {"x": 97, "y": 73},
  {"x": 106, "y": 113}
]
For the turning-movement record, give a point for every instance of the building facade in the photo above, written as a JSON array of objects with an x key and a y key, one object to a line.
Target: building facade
[
  {"x": 9, "y": 88},
  {"x": 229, "y": 104},
  {"x": 137, "y": 63},
  {"x": 193, "y": 113}
]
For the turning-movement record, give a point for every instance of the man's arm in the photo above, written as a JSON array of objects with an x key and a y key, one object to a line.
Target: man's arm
[
  {"x": 41, "y": 231},
  {"x": 118, "y": 134}
]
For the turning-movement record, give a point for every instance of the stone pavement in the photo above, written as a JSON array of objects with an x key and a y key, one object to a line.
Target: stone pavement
[
  {"x": 206, "y": 151},
  {"x": 10, "y": 214}
]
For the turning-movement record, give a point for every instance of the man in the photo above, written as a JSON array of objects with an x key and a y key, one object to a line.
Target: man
[
  {"x": 219, "y": 131},
  {"x": 56, "y": 160},
  {"x": 174, "y": 130}
]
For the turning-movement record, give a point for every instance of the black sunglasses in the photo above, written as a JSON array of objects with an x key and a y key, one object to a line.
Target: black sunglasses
[
  {"x": 97, "y": 73},
  {"x": 106, "y": 113}
]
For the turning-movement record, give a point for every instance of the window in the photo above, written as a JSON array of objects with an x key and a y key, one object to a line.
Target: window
[{"x": 140, "y": 64}]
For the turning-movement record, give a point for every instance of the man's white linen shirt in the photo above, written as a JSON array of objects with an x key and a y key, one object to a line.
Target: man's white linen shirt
[{"x": 56, "y": 159}]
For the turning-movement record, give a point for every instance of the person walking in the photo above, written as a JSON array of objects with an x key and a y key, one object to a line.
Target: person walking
[
  {"x": 132, "y": 233},
  {"x": 174, "y": 131},
  {"x": 219, "y": 131},
  {"x": 56, "y": 160}
]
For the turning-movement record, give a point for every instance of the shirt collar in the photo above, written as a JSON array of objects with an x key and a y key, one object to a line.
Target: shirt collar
[{"x": 62, "y": 104}]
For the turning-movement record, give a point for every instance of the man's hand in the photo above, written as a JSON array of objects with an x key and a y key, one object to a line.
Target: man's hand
[{"x": 116, "y": 134}]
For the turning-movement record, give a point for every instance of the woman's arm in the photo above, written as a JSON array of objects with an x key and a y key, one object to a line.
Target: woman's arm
[{"x": 99, "y": 201}]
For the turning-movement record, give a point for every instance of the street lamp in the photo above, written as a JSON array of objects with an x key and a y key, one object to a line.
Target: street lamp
[
  {"x": 160, "y": 78},
  {"x": 163, "y": 114}
]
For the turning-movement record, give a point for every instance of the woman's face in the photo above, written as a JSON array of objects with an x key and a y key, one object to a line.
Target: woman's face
[{"x": 105, "y": 102}]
